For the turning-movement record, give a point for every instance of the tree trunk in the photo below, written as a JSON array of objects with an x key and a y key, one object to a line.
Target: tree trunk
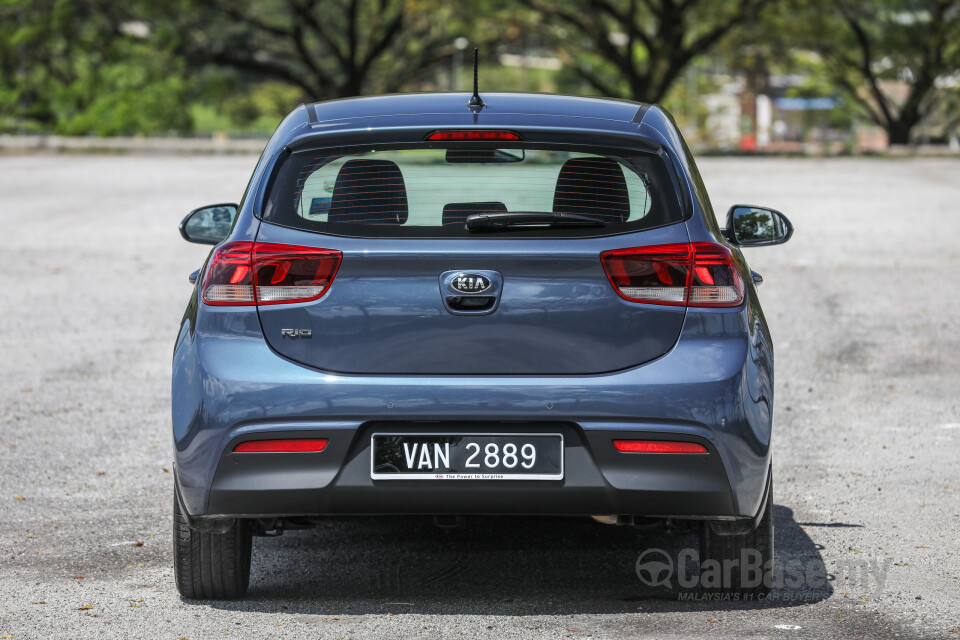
[{"x": 898, "y": 131}]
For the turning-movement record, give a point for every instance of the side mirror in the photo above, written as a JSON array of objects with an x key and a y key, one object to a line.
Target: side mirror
[
  {"x": 208, "y": 225},
  {"x": 750, "y": 226}
]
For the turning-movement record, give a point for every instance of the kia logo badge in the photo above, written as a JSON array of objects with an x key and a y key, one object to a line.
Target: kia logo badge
[{"x": 470, "y": 283}]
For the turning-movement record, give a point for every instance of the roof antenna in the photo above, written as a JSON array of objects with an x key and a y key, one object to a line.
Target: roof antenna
[{"x": 475, "y": 101}]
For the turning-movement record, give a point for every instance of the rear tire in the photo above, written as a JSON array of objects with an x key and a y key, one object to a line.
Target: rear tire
[
  {"x": 210, "y": 566},
  {"x": 723, "y": 557}
]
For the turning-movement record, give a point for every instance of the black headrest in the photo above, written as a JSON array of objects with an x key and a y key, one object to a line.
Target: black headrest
[
  {"x": 457, "y": 212},
  {"x": 593, "y": 187},
  {"x": 369, "y": 192}
]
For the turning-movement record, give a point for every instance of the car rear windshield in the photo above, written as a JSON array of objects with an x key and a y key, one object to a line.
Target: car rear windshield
[{"x": 430, "y": 192}]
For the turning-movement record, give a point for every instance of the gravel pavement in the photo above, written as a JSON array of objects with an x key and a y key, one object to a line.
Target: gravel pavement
[{"x": 863, "y": 305}]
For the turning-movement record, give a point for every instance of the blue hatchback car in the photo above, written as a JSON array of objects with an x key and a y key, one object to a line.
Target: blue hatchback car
[{"x": 424, "y": 306}]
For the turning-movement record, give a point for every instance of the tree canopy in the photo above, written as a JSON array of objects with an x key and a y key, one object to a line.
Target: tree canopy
[
  {"x": 637, "y": 49},
  {"x": 887, "y": 56},
  {"x": 66, "y": 67},
  {"x": 329, "y": 49},
  {"x": 91, "y": 66}
]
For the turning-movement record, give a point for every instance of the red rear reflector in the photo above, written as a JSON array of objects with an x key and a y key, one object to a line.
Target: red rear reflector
[
  {"x": 701, "y": 274},
  {"x": 473, "y": 135},
  {"x": 244, "y": 273},
  {"x": 658, "y": 446},
  {"x": 281, "y": 446}
]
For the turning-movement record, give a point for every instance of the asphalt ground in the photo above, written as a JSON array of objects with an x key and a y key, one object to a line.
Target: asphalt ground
[{"x": 864, "y": 307}]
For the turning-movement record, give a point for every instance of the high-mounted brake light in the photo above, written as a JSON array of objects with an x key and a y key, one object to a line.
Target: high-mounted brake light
[
  {"x": 246, "y": 273},
  {"x": 699, "y": 274},
  {"x": 478, "y": 136},
  {"x": 658, "y": 446},
  {"x": 291, "y": 445}
]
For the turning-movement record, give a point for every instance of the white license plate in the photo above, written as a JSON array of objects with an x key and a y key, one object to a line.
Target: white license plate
[{"x": 459, "y": 456}]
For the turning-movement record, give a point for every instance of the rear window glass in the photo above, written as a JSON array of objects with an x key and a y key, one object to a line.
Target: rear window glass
[{"x": 430, "y": 192}]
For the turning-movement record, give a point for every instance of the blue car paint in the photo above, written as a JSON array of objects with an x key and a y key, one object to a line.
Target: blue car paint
[
  {"x": 715, "y": 382},
  {"x": 364, "y": 334}
]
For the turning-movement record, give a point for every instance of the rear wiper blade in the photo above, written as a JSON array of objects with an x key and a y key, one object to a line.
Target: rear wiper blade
[{"x": 503, "y": 220}]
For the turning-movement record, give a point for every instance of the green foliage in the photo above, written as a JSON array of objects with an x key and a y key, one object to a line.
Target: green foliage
[
  {"x": 253, "y": 108},
  {"x": 633, "y": 49},
  {"x": 887, "y": 56},
  {"x": 66, "y": 69},
  {"x": 86, "y": 67},
  {"x": 329, "y": 49},
  {"x": 124, "y": 98}
]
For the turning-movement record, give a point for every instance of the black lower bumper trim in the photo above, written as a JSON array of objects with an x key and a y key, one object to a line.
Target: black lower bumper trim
[{"x": 598, "y": 480}]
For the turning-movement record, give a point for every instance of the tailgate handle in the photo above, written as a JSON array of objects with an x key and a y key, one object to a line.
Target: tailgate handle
[
  {"x": 471, "y": 292},
  {"x": 471, "y": 303}
]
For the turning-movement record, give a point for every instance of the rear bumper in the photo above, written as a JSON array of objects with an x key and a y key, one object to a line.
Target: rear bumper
[
  {"x": 712, "y": 388},
  {"x": 597, "y": 479}
]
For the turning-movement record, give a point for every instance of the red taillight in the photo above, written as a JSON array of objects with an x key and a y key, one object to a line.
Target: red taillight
[
  {"x": 477, "y": 136},
  {"x": 246, "y": 273},
  {"x": 658, "y": 446},
  {"x": 292, "y": 445},
  {"x": 700, "y": 274},
  {"x": 287, "y": 273},
  {"x": 650, "y": 274},
  {"x": 229, "y": 279}
]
